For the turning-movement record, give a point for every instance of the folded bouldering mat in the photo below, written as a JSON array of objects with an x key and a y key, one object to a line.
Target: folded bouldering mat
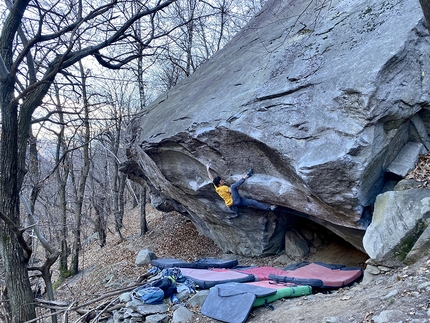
[
  {"x": 206, "y": 263},
  {"x": 232, "y": 302},
  {"x": 206, "y": 278},
  {"x": 261, "y": 273},
  {"x": 283, "y": 290},
  {"x": 171, "y": 263},
  {"x": 319, "y": 275},
  {"x": 252, "y": 287},
  {"x": 203, "y": 263}
]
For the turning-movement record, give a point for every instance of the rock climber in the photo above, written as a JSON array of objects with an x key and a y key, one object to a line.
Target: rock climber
[{"x": 231, "y": 195}]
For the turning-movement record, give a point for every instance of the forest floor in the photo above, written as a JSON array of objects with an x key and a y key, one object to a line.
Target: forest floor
[{"x": 399, "y": 293}]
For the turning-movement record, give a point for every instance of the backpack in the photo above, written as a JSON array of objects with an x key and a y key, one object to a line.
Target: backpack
[
  {"x": 166, "y": 285},
  {"x": 149, "y": 295}
]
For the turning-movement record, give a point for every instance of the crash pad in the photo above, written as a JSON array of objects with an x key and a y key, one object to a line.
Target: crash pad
[
  {"x": 227, "y": 306},
  {"x": 319, "y": 275},
  {"x": 203, "y": 263},
  {"x": 257, "y": 290},
  {"x": 232, "y": 302},
  {"x": 171, "y": 263},
  {"x": 261, "y": 273},
  {"x": 283, "y": 290},
  {"x": 206, "y": 278},
  {"x": 206, "y": 263}
]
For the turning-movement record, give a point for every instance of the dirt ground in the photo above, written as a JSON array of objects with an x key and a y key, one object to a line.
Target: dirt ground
[{"x": 401, "y": 295}]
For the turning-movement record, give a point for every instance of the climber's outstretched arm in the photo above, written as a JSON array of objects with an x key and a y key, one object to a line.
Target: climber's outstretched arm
[{"x": 209, "y": 172}]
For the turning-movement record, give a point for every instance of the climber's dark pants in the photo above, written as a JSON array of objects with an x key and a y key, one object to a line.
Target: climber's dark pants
[{"x": 242, "y": 201}]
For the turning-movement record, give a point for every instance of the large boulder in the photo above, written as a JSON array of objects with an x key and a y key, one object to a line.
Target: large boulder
[
  {"x": 321, "y": 100},
  {"x": 399, "y": 230}
]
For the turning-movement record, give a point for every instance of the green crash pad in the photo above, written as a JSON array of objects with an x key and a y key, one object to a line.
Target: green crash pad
[{"x": 283, "y": 290}]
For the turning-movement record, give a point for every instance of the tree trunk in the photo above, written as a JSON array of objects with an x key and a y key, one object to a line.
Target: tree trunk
[
  {"x": 14, "y": 258},
  {"x": 116, "y": 202},
  {"x": 19, "y": 291},
  {"x": 100, "y": 222},
  {"x": 133, "y": 187},
  {"x": 83, "y": 179},
  {"x": 74, "y": 264},
  {"x": 62, "y": 174},
  {"x": 143, "y": 223},
  {"x": 118, "y": 177},
  {"x": 122, "y": 182}
]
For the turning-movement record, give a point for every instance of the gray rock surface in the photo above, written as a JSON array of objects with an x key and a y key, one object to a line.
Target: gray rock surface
[
  {"x": 318, "y": 100},
  {"x": 146, "y": 309},
  {"x": 157, "y": 318},
  {"x": 182, "y": 315},
  {"x": 198, "y": 299},
  {"x": 421, "y": 247},
  {"x": 406, "y": 159},
  {"x": 296, "y": 247},
  {"x": 389, "y": 316},
  {"x": 144, "y": 257},
  {"x": 398, "y": 231}
]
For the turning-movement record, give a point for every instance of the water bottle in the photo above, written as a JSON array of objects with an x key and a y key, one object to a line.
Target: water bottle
[{"x": 174, "y": 299}]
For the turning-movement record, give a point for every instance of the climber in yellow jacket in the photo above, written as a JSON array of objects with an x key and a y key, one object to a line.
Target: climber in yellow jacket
[{"x": 231, "y": 195}]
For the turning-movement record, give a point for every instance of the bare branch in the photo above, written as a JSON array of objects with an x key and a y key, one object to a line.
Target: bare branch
[
  {"x": 11, "y": 225},
  {"x": 39, "y": 234},
  {"x": 106, "y": 64}
]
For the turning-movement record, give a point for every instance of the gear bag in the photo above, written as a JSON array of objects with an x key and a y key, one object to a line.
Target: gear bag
[{"x": 149, "y": 295}]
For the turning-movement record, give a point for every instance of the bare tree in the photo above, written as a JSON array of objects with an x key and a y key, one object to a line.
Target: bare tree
[
  {"x": 62, "y": 169},
  {"x": 80, "y": 186},
  {"x": 206, "y": 26},
  {"x": 47, "y": 33}
]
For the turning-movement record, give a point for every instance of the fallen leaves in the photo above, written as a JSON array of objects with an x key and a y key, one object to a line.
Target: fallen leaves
[{"x": 421, "y": 173}]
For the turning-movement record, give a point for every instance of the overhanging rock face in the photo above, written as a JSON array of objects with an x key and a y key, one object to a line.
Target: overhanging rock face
[{"x": 318, "y": 100}]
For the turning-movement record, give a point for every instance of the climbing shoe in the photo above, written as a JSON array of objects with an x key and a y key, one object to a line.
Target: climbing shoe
[
  {"x": 273, "y": 207},
  {"x": 250, "y": 172}
]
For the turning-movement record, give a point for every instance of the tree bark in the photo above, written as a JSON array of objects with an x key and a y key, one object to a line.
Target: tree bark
[
  {"x": 14, "y": 259},
  {"x": 62, "y": 174},
  {"x": 74, "y": 267},
  {"x": 143, "y": 222},
  {"x": 100, "y": 222}
]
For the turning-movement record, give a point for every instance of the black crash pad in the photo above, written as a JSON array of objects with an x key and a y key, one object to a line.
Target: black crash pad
[
  {"x": 206, "y": 278},
  {"x": 203, "y": 263}
]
